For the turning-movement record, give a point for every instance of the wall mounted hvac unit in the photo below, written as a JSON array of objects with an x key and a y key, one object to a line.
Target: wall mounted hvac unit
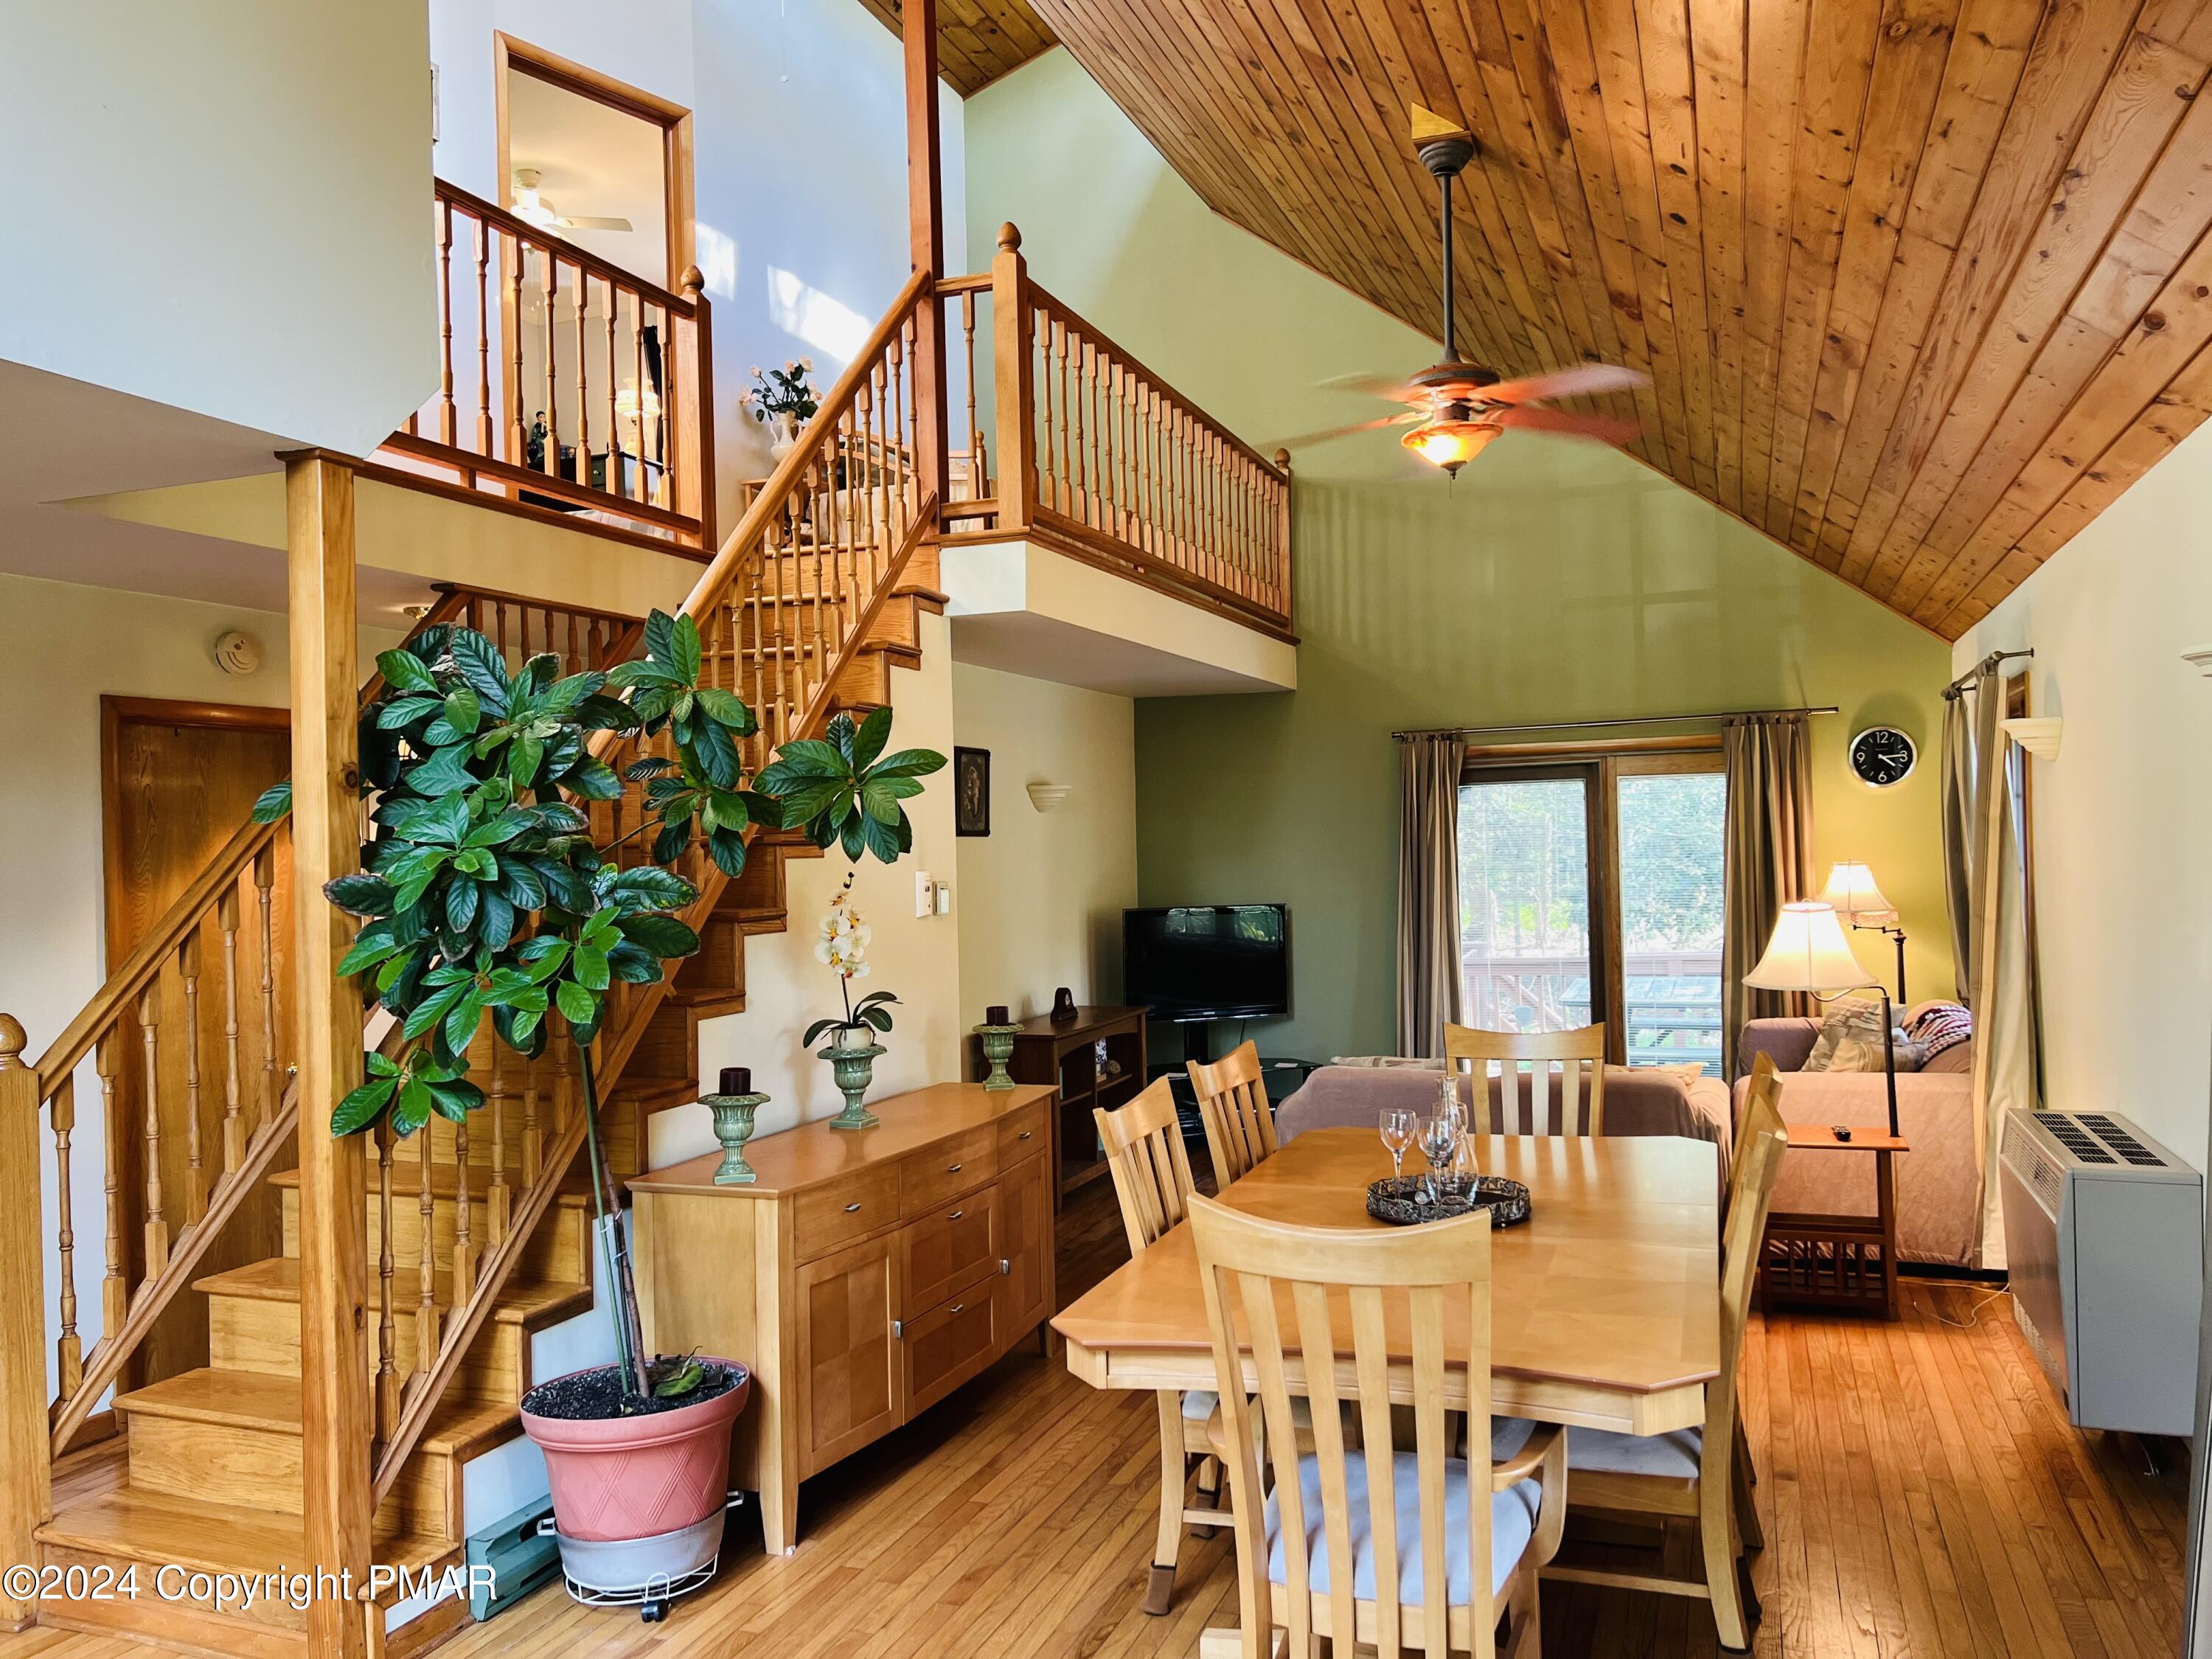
[{"x": 2103, "y": 1234}]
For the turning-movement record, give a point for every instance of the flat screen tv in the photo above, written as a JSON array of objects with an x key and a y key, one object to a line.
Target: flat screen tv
[{"x": 1208, "y": 961}]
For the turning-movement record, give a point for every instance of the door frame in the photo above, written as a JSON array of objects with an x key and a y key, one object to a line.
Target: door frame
[
  {"x": 1601, "y": 765},
  {"x": 116, "y": 713},
  {"x": 511, "y": 55}
]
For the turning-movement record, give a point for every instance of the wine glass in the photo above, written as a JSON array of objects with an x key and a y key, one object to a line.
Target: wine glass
[
  {"x": 1397, "y": 1126},
  {"x": 1440, "y": 1137}
]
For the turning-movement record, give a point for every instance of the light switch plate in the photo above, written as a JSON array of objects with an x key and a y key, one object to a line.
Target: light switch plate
[{"x": 943, "y": 898}]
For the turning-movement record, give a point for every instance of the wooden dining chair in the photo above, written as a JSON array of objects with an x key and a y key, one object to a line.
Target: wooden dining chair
[
  {"x": 1403, "y": 1549},
  {"x": 1143, "y": 1143},
  {"x": 1581, "y": 1058},
  {"x": 1695, "y": 1474},
  {"x": 1233, "y": 1105}
]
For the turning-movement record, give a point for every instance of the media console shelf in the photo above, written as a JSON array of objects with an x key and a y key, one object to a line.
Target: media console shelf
[{"x": 1066, "y": 1056}]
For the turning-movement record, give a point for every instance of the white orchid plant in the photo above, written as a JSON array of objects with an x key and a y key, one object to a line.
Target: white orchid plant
[{"x": 843, "y": 946}]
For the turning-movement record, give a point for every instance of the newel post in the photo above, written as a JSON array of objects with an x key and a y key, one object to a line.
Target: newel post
[
  {"x": 1283, "y": 537},
  {"x": 1016, "y": 392},
  {"x": 925, "y": 198},
  {"x": 26, "y": 1483},
  {"x": 695, "y": 410},
  {"x": 336, "y": 1422}
]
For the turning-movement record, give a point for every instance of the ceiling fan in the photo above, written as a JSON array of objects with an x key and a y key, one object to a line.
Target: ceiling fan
[
  {"x": 530, "y": 204},
  {"x": 1457, "y": 408}
]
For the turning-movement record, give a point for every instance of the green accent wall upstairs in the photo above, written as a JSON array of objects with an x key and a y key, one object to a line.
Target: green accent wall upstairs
[{"x": 1553, "y": 580}]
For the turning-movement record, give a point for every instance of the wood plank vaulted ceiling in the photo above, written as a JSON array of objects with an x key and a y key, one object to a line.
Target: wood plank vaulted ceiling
[
  {"x": 977, "y": 40},
  {"x": 1921, "y": 285}
]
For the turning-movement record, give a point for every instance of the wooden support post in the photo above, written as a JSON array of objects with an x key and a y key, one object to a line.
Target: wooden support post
[
  {"x": 925, "y": 197},
  {"x": 25, "y": 1480},
  {"x": 1017, "y": 393},
  {"x": 336, "y": 1424},
  {"x": 694, "y": 414}
]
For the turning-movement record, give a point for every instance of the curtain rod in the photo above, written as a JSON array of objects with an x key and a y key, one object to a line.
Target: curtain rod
[
  {"x": 1592, "y": 725},
  {"x": 1965, "y": 682}
]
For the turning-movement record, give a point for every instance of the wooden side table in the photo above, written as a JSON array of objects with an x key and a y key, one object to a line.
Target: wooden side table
[
  {"x": 1838, "y": 1260},
  {"x": 1066, "y": 1056}
]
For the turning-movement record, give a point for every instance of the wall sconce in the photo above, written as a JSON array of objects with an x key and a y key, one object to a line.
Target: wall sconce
[
  {"x": 2039, "y": 736},
  {"x": 1046, "y": 796}
]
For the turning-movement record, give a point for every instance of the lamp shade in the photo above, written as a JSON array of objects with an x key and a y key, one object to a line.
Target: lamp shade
[
  {"x": 1808, "y": 952},
  {"x": 1851, "y": 892}
]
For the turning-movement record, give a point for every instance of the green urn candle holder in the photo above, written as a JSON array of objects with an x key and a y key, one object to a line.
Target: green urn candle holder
[
  {"x": 852, "y": 1070},
  {"x": 733, "y": 1110},
  {"x": 998, "y": 1033}
]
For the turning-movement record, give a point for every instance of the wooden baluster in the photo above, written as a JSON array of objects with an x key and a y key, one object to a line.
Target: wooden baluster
[
  {"x": 614, "y": 483},
  {"x": 637, "y": 345},
  {"x": 69, "y": 1350},
  {"x": 25, "y": 1418},
  {"x": 583, "y": 380},
  {"x": 552, "y": 458},
  {"x": 562, "y": 1051},
  {"x": 233, "y": 1130},
  {"x": 446, "y": 421},
  {"x": 265, "y": 880},
  {"x": 464, "y": 1252},
  {"x": 1155, "y": 411},
  {"x": 387, "y": 1319},
  {"x": 156, "y": 1221},
  {"x": 533, "y": 1135},
  {"x": 976, "y": 485},
  {"x": 483, "y": 336},
  {"x": 114, "y": 1292},
  {"x": 1071, "y": 361},
  {"x": 519, "y": 422},
  {"x": 426, "y": 1308},
  {"x": 188, "y": 966}
]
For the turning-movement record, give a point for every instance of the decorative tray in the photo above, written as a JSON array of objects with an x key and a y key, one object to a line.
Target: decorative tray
[{"x": 1402, "y": 1201}]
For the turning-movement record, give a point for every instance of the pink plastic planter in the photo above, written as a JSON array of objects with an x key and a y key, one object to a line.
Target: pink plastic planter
[{"x": 620, "y": 1478}]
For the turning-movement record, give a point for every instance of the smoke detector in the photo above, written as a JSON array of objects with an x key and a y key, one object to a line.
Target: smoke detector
[{"x": 237, "y": 651}]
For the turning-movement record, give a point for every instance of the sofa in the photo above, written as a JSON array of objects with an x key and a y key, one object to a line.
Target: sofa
[
  {"x": 1639, "y": 1101},
  {"x": 1938, "y": 1187}
]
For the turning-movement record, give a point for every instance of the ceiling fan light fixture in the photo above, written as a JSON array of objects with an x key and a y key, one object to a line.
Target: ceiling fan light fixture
[{"x": 1449, "y": 444}]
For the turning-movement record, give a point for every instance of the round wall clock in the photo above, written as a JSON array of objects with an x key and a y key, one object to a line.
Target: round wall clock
[{"x": 1882, "y": 756}]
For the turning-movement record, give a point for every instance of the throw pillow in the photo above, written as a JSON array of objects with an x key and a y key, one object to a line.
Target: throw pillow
[{"x": 1851, "y": 1038}]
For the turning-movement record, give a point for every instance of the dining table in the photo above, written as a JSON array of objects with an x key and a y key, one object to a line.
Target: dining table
[{"x": 1605, "y": 1302}]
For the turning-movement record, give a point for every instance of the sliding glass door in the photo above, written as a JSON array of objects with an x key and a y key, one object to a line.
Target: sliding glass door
[{"x": 1590, "y": 889}]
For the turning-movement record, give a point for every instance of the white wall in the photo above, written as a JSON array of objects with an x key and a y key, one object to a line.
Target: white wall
[
  {"x": 1039, "y": 898},
  {"x": 224, "y": 209},
  {"x": 2123, "y": 887},
  {"x": 800, "y": 138}
]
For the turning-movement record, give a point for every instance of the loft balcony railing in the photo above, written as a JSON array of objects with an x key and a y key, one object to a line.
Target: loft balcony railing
[
  {"x": 1073, "y": 443},
  {"x": 565, "y": 383}
]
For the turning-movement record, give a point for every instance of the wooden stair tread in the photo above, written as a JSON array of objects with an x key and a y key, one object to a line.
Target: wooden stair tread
[
  {"x": 271, "y": 1404},
  {"x": 138, "y": 1524},
  {"x": 407, "y": 1182},
  {"x": 654, "y": 1091},
  {"x": 276, "y": 1279}
]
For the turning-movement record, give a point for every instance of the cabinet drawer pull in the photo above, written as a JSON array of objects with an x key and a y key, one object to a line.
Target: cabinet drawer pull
[
  {"x": 852, "y": 1209},
  {"x": 898, "y": 1330},
  {"x": 953, "y": 1170},
  {"x": 1024, "y": 1135},
  {"x": 956, "y": 1308},
  {"x": 1006, "y": 1267},
  {"x": 955, "y": 1215}
]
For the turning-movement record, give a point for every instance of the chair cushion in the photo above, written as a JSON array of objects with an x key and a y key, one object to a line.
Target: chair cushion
[
  {"x": 1197, "y": 1404},
  {"x": 1674, "y": 1456},
  {"x": 1512, "y": 1520}
]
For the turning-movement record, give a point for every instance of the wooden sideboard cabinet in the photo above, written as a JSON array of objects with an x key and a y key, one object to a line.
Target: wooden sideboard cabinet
[{"x": 863, "y": 1276}]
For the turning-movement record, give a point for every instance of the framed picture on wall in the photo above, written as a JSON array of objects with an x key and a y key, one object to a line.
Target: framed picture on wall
[{"x": 971, "y": 792}]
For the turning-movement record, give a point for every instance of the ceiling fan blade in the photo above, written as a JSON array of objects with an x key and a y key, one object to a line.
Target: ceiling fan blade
[
  {"x": 1603, "y": 427},
  {"x": 1406, "y": 419},
  {"x": 1580, "y": 380},
  {"x": 577, "y": 221},
  {"x": 1397, "y": 387}
]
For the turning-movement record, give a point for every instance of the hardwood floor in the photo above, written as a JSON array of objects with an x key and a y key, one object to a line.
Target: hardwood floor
[{"x": 1921, "y": 1492}]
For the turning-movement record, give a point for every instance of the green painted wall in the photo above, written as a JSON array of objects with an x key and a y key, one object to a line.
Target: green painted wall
[{"x": 1551, "y": 581}]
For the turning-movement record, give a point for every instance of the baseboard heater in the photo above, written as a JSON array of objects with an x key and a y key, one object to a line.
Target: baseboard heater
[
  {"x": 519, "y": 1559},
  {"x": 2104, "y": 1235}
]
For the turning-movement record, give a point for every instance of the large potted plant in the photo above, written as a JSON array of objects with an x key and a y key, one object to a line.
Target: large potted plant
[{"x": 485, "y": 896}]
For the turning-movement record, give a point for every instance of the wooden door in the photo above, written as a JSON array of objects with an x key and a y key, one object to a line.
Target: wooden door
[
  {"x": 1025, "y": 1198},
  {"x": 848, "y": 1361},
  {"x": 178, "y": 781}
]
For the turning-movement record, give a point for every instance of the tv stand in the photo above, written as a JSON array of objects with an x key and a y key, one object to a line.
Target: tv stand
[{"x": 1066, "y": 1055}]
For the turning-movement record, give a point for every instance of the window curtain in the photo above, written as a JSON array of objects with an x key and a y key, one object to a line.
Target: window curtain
[
  {"x": 1958, "y": 782},
  {"x": 2000, "y": 974},
  {"x": 1429, "y": 985},
  {"x": 1768, "y": 859}
]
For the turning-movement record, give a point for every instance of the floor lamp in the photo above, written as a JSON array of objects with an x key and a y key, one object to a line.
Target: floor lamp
[
  {"x": 1851, "y": 888},
  {"x": 1809, "y": 953}
]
